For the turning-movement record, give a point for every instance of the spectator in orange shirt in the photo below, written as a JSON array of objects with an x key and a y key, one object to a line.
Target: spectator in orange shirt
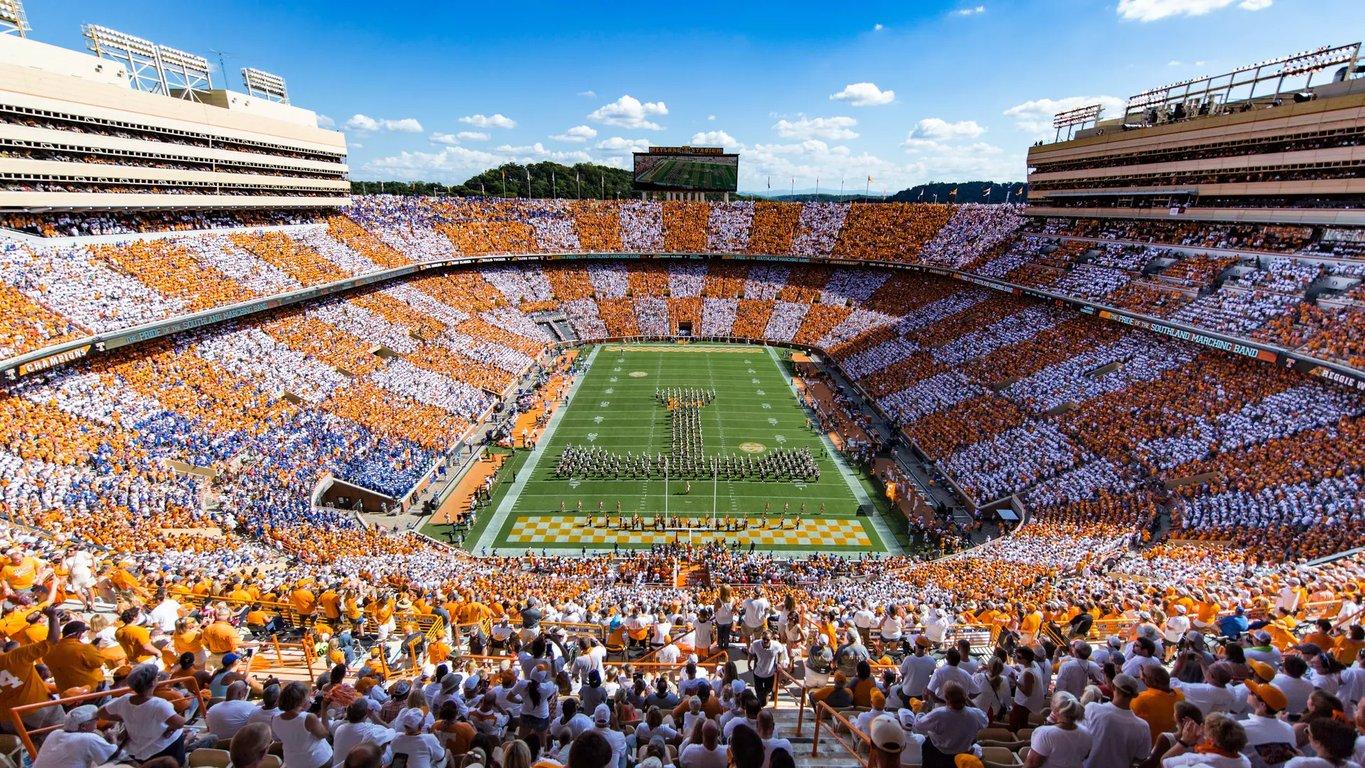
[
  {"x": 21, "y": 574},
  {"x": 1156, "y": 705},
  {"x": 135, "y": 638},
  {"x": 75, "y": 663},
  {"x": 21, "y": 684},
  {"x": 219, "y": 638}
]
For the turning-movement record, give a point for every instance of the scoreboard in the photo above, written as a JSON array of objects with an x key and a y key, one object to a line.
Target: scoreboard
[{"x": 686, "y": 169}]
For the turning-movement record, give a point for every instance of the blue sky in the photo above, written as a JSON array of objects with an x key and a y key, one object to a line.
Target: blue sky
[{"x": 905, "y": 92}]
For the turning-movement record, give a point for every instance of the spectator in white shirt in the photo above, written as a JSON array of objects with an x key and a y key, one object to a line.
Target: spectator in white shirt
[
  {"x": 1120, "y": 737},
  {"x": 1291, "y": 681},
  {"x": 1078, "y": 671},
  {"x": 1214, "y": 694},
  {"x": 228, "y": 716},
  {"x": 950, "y": 730},
  {"x": 359, "y": 727},
  {"x": 710, "y": 753},
  {"x": 1064, "y": 743},
  {"x": 951, "y": 672},
  {"x": 78, "y": 744},
  {"x": 765, "y": 655}
]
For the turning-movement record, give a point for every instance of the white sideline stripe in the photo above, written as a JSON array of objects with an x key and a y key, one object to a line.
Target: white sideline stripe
[{"x": 494, "y": 527}]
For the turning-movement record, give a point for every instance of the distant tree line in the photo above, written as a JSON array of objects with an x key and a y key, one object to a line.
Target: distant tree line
[{"x": 546, "y": 180}]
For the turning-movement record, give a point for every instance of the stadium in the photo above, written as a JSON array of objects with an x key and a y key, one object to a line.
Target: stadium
[{"x": 291, "y": 476}]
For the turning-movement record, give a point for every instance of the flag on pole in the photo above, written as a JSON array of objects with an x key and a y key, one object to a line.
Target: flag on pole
[
  {"x": 770, "y": 182},
  {"x": 986, "y": 192},
  {"x": 953, "y": 193}
]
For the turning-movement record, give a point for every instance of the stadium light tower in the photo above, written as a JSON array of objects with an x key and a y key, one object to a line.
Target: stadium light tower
[
  {"x": 13, "y": 21},
  {"x": 141, "y": 56},
  {"x": 1076, "y": 118},
  {"x": 185, "y": 74},
  {"x": 265, "y": 85}
]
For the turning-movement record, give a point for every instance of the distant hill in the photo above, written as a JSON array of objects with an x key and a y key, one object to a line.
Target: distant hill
[
  {"x": 586, "y": 180},
  {"x": 966, "y": 192}
]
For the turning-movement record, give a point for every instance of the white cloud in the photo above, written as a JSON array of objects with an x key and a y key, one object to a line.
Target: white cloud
[
  {"x": 498, "y": 120},
  {"x": 975, "y": 10},
  {"x": 449, "y": 164},
  {"x": 711, "y": 118},
  {"x": 1035, "y": 117},
  {"x": 938, "y": 128},
  {"x": 864, "y": 95},
  {"x": 538, "y": 151},
  {"x": 588, "y": 94},
  {"x": 576, "y": 134},
  {"x": 448, "y": 139},
  {"x": 1152, "y": 10},
  {"x": 713, "y": 139},
  {"x": 630, "y": 112},
  {"x": 326, "y": 122},
  {"x": 833, "y": 128},
  {"x": 457, "y": 163},
  {"x": 473, "y": 135},
  {"x": 878, "y": 27},
  {"x": 367, "y": 124},
  {"x": 623, "y": 146},
  {"x": 1179, "y": 63}
]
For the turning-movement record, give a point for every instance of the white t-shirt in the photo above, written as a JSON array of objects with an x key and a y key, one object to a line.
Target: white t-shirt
[
  {"x": 772, "y": 745},
  {"x": 1216, "y": 761},
  {"x": 347, "y": 736},
  {"x": 697, "y": 756},
  {"x": 227, "y": 717},
  {"x": 756, "y": 612},
  {"x": 1062, "y": 748},
  {"x": 423, "y": 750},
  {"x": 64, "y": 749},
  {"x": 1120, "y": 737},
  {"x": 1318, "y": 762},
  {"x": 145, "y": 723}
]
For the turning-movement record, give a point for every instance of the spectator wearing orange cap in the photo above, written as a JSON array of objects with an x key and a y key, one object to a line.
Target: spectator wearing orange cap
[{"x": 1270, "y": 737}]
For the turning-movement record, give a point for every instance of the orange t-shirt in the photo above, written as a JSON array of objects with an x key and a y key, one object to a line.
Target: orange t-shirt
[
  {"x": 22, "y": 576},
  {"x": 20, "y": 683}
]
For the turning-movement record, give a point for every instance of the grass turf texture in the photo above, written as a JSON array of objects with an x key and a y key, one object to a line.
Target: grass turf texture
[{"x": 614, "y": 407}]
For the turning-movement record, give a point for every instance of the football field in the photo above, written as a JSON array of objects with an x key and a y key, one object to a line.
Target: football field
[{"x": 751, "y": 424}]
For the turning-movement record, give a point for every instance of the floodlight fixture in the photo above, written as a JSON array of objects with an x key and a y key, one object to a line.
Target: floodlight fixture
[
  {"x": 13, "y": 20},
  {"x": 1072, "y": 118},
  {"x": 1205, "y": 93},
  {"x": 186, "y": 74},
  {"x": 265, "y": 85},
  {"x": 139, "y": 55}
]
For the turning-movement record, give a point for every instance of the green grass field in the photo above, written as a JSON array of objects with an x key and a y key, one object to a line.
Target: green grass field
[{"x": 614, "y": 407}]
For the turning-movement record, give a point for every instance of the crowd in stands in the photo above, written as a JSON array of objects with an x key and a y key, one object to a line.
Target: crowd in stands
[
  {"x": 191, "y": 462},
  {"x": 1106, "y": 266}
]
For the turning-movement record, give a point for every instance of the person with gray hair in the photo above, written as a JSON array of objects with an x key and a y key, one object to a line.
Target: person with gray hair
[
  {"x": 250, "y": 745},
  {"x": 78, "y": 744},
  {"x": 1063, "y": 743},
  {"x": 154, "y": 729}
]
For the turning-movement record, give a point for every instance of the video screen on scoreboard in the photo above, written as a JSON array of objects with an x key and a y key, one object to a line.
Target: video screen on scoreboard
[{"x": 690, "y": 169}]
